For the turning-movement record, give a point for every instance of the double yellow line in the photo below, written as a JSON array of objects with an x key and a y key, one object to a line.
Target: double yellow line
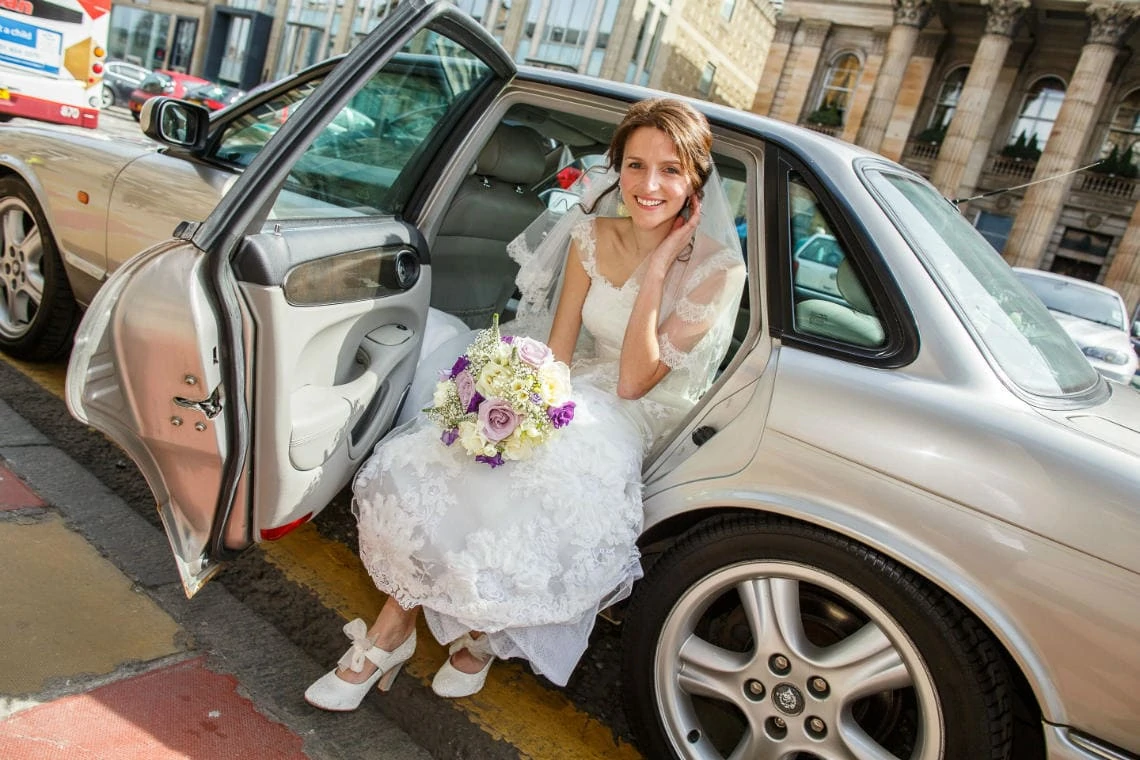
[{"x": 513, "y": 707}]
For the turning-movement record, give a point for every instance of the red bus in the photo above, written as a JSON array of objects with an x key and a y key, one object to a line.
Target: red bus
[{"x": 51, "y": 59}]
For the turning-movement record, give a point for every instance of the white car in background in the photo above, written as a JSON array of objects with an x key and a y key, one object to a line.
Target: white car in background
[{"x": 1094, "y": 317}]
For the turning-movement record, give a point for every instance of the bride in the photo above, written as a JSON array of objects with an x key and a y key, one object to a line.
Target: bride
[{"x": 637, "y": 289}]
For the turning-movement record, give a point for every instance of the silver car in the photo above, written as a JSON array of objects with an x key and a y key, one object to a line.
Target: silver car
[
  {"x": 1092, "y": 315},
  {"x": 902, "y": 516}
]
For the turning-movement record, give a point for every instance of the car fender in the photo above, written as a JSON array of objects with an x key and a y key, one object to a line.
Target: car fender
[{"x": 880, "y": 513}]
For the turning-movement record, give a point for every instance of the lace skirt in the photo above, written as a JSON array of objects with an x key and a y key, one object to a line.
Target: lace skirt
[{"x": 527, "y": 552}]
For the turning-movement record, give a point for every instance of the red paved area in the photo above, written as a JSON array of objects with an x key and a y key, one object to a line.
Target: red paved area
[
  {"x": 182, "y": 711},
  {"x": 14, "y": 494}
]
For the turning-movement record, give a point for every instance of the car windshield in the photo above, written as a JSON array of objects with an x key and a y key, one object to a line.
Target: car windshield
[
  {"x": 1076, "y": 300},
  {"x": 1012, "y": 326}
]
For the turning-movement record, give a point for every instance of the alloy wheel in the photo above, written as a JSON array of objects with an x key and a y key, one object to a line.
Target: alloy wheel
[
  {"x": 781, "y": 661},
  {"x": 21, "y": 272}
]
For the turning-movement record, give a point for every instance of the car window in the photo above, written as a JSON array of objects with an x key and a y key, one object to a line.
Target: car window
[
  {"x": 156, "y": 84},
  {"x": 352, "y": 167},
  {"x": 247, "y": 134},
  {"x": 1011, "y": 325},
  {"x": 831, "y": 298},
  {"x": 1076, "y": 300}
]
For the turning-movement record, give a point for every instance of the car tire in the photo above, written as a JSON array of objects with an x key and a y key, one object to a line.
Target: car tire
[
  {"x": 108, "y": 97},
  {"x": 38, "y": 313},
  {"x": 903, "y": 668}
]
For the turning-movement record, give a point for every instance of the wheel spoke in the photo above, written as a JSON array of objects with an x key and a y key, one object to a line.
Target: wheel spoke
[
  {"x": 772, "y": 607},
  {"x": 851, "y": 742},
  {"x": 866, "y": 662},
  {"x": 756, "y": 746},
  {"x": 709, "y": 671},
  {"x": 12, "y": 228}
]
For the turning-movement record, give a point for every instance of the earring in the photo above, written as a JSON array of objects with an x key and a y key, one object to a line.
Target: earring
[{"x": 622, "y": 209}]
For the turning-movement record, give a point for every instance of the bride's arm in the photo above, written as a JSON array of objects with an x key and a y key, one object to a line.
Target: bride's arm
[
  {"x": 568, "y": 316},
  {"x": 641, "y": 367}
]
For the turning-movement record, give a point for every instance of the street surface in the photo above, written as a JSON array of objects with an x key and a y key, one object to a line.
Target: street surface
[{"x": 271, "y": 620}]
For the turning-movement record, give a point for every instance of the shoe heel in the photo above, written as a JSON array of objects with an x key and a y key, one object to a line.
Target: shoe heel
[{"x": 386, "y": 680}]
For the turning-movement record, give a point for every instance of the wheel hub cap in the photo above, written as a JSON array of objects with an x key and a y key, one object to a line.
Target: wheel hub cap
[{"x": 788, "y": 699}]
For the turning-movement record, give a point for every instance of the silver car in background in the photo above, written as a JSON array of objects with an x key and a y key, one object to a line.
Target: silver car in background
[{"x": 1093, "y": 315}]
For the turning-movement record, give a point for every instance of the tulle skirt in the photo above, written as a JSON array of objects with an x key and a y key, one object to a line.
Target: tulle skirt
[{"x": 527, "y": 552}]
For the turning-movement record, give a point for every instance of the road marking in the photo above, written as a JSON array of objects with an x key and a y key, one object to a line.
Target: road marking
[{"x": 513, "y": 706}]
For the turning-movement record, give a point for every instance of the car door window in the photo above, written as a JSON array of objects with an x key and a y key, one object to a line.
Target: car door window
[
  {"x": 383, "y": 133},
  {"x": 831, "y": 297},
  {"x": 246, "y": 135}
]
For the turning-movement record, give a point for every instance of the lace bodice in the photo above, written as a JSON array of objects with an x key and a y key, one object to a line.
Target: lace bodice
[{"x": 697, "y": 300}]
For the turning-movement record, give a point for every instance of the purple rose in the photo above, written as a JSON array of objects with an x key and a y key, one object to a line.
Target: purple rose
[
  {"x": 449, "y": 436},
  {"x": 460, "y": 364},
  {"x": 495, "y": 461},
  {"x": 497, "y": 419},
  {"x": 533, "y": 352},
  {"x": 560, "y": 416},
  {"x": 465, "y": 387}
]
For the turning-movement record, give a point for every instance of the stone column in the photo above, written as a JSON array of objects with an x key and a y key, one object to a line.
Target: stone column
[
  {"x": 1124, "y": 271},
  {"x": 910, "y": 95},
  {"x": 802, "y": 62},
  {"x": 772, "y": 79},
  {"x": 516, "y": 23},
  {"x": 910, "y": 17},
  {"x": 1001, "y": 24},
  {"x": 1041, "y": 207}
]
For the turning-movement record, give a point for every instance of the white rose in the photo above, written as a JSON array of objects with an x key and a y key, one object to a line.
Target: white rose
[
  {"x": 554, "y": 383},
  {"x": 490, "y": 377},
  {"x": 470, "y": 438},
  {"x": 518, "y": 445},
  {"x": 442, "y": 393}
]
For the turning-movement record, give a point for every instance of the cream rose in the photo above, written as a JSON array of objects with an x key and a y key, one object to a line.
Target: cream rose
[{"x": 554, "y": 383}]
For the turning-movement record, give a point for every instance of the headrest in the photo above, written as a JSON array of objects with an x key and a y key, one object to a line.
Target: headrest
[
  {"x": 513, "y": 154},
  {"x": 847, "y": 280}
]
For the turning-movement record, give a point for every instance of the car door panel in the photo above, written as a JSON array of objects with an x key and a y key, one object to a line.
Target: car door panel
[{"x": 284, "y": 330}]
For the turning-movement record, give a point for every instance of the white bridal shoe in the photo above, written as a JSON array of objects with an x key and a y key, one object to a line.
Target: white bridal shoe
[
  {"x": 449, "y": 681},
  {"x": 331, "y": 692}
]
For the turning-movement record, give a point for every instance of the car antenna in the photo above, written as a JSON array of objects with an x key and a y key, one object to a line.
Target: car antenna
[{"x": 956, "y": 201}]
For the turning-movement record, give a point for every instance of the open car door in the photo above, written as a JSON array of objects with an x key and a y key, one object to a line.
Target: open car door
[{"x": 249, "y": 364}]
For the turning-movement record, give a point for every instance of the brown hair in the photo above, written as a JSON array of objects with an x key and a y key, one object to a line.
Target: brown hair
[{"x": 686, "y": 127}]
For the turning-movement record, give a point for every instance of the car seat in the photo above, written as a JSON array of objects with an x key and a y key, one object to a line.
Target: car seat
[
  {"x": 853, "y": 322},
  {"x": 472, "y": 275}
]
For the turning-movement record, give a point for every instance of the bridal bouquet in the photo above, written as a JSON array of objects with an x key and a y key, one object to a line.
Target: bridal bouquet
[{"x": 503, "y": 398}]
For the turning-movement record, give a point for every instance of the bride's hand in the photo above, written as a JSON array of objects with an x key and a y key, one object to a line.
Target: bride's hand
[{"x": 678, "y": 243}]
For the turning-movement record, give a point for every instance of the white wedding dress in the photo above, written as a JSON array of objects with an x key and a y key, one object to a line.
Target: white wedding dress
[{"x": 530, "y": 551}]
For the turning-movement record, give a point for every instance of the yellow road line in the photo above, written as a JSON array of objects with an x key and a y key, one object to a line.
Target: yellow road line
[{"x": 513, "y": 706}]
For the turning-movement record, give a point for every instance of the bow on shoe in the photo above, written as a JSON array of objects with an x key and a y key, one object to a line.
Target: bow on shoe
[
  {"x": 354, "y": 658},
  {"x": 479, "y": 648}
]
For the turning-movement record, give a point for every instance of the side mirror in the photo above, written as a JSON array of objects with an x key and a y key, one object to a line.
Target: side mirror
[{"x": 175, "y": 123}]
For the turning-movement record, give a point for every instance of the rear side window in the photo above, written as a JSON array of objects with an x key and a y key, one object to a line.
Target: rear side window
[{"x": 831, "y": 298}]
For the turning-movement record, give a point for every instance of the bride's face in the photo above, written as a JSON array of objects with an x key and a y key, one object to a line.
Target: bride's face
[{"x": 653, "y": 182}]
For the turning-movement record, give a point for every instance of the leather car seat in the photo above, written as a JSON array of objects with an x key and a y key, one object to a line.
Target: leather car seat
[
  {"x": 472, "y": 275},
  {"x": 854, "y": 322}
]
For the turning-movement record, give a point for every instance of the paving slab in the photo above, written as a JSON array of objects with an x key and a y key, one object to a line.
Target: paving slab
[
  {"x": 180, "y": 711},
  {"x": 66, "y": 611}
]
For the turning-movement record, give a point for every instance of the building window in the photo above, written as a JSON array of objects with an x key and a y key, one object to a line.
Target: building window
[
  {"x": 994, "y": 228},
  {"x": 838, "y": 89},
  {"x": 1118, "y": 153},
  {"x": 726, "y": 9},
  {"x": 1038, "y": 112},
  {"x": 947, "y": 103},
  {"x": 567, "y": 35},
  {"x": 704, "y": 87},
  {"x": 648, "y": 42}
]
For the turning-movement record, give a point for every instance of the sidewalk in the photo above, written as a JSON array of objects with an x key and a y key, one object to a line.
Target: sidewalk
[
  {"x": 99, "y": 661},
  {"x": 91, "y": 667}
]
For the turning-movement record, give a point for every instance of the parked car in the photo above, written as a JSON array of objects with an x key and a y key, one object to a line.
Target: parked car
[
  {"x": 161, "y": 82},
  {"x": 120, "y": 79},
  {"x": 1094, "y": 317},
  {"x": 816, "y": 264},
  {"x": 900, "y": 516},
  {"x": 213, "y": 96}
]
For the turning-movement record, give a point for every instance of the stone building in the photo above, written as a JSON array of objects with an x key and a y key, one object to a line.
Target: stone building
[
  {"x": 712, "y": 49},
  {"x": 981, "y": 96}
]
